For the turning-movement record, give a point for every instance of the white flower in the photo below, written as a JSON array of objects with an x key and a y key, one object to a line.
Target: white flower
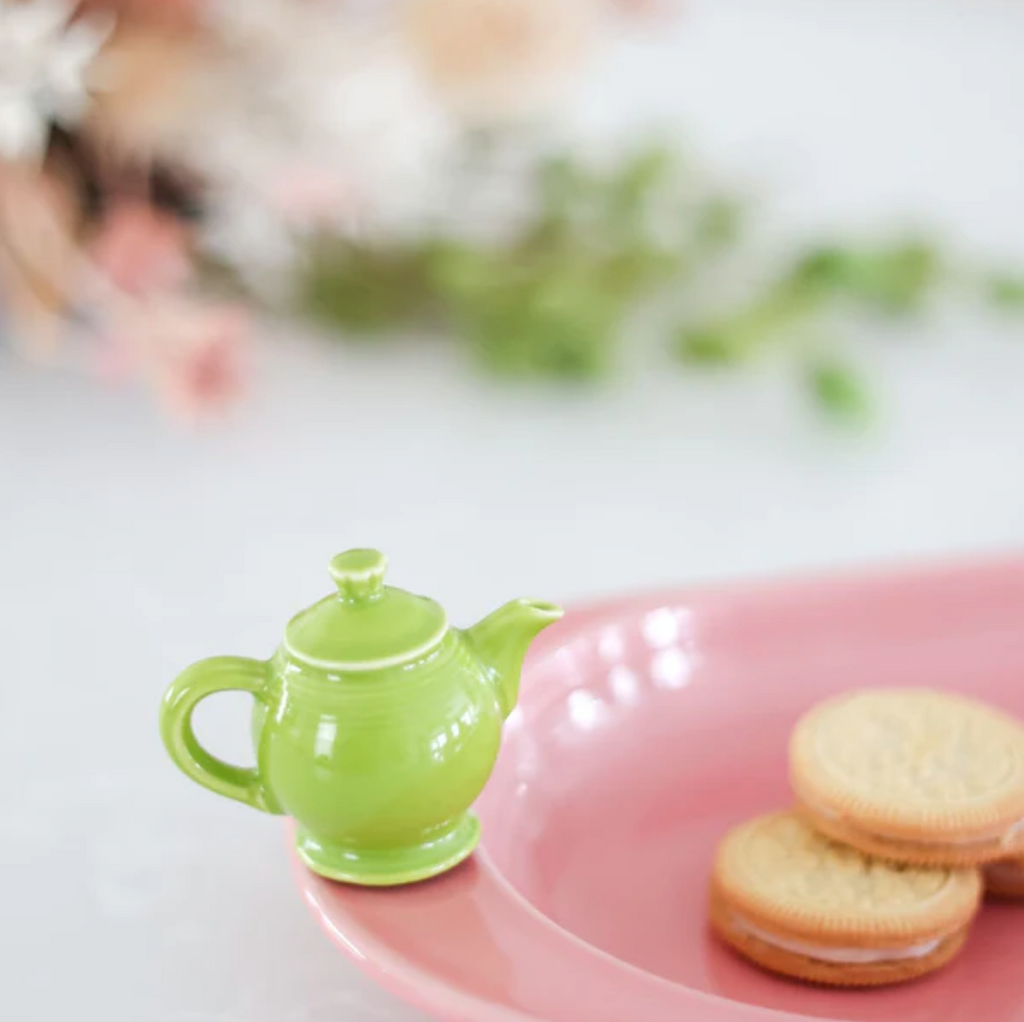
[
  {"x": 325, "y": 86},
  {"x": 43, "y": 63},
  {"x": 245, "y": 233},
  {"x": 495, "y": 61}
]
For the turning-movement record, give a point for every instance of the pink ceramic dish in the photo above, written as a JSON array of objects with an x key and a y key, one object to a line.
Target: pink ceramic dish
[{"x": 646, "y": 728}]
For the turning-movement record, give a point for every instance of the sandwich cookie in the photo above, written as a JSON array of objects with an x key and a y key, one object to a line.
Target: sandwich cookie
[
  {"x": 798, "y": 904},
  {"x": 913, "y": 775}
]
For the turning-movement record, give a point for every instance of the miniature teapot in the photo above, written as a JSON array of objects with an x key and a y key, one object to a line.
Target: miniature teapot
[{"x": 376, "y": 725}]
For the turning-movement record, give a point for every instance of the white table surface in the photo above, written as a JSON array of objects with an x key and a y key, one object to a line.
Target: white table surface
[{"x": 129, "y": 548}]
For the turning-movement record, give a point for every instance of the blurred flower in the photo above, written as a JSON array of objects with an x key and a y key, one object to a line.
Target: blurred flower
[
  {"x": 242, "y": 231},
  {"x": 151, "y": 82},
  {"x": 499, "y": 59},
  {"x": 38, "y": 254},
  {"x": 200, "y": 371},
  {"x": 165, "y": 12},
  {"x": 308, "y": 196},
  {"x": 316, "y": 121},
  {"x": 190, "y": 352},
  {"x": 310, "y": 85},
  {"x": 43, "y": 65},
  {"x": 140, "y": 249},
  {"x": 647, "y": 8},
  {"x": 251, "y": 132}
]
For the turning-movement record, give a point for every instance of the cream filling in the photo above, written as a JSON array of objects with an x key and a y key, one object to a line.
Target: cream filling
[
  {"x": 834, "y": 955},
  {"x": 1005, "y": 840}
]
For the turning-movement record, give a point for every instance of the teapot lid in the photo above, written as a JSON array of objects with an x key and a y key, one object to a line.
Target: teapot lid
[{"x": 365, "y": 625}]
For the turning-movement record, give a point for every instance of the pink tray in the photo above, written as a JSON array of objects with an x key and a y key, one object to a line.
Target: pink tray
[{"x": 647, "y": 727}]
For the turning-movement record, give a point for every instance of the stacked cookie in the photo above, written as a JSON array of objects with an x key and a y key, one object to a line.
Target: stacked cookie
[{"x": 903, "y": 798}]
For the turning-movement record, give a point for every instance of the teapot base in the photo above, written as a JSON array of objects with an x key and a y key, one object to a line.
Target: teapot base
[{"x": 393, "y": 866}]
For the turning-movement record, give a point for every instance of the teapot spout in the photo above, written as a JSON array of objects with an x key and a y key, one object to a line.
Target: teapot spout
[{"x": 501, "y": 640}]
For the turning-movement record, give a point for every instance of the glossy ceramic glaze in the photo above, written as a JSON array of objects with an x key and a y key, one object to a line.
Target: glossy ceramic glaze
[
  {"x": 375, "y": 726},
  {"x": 645, "y": 730}
]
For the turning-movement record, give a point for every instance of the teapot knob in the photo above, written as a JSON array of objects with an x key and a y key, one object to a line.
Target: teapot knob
[{"x": 359, "y": 574}]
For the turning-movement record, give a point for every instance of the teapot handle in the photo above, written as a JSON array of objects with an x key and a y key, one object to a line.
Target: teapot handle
[{"x": 191, "y": 687}]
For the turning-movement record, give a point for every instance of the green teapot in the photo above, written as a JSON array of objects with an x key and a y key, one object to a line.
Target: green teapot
[{"x": 376, "y": 724}]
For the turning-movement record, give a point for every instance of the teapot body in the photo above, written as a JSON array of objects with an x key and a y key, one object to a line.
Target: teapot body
[
  {"x": 380, "y": 768},
  {"x": 376, "y": 724}
]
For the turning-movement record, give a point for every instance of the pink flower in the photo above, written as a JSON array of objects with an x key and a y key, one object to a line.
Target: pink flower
[
  {"x": 115, "y": 360},
  {"x": 191, "y": 353},
  {"x": 199, "y": 362},
  {"x": 648, "y": 8},
  {"x": 306, "y": 196},
  {"x": 141, "y": 250},
  {"x": 38, "y": 256},
  {"x": 498, "y": 60}
]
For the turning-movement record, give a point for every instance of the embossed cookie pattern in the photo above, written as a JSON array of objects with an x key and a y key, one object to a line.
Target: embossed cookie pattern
[
  {"x": 787, "y": 861},
  {"x": 915, "y": 750}
]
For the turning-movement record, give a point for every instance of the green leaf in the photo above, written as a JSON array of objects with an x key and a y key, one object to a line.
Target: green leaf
[
  {"x": 552, "y": 301},
  {"x": 829, "y": 269},
  {"x": 893, "y": 278},
  {"x": 718, "y": 223},
  {"x": 631, "y": 272},
  {"x": 633, "y": 185},
  {"x": 712, "y": 346},
  {"x": 898, "y": 280},
  {"x": 777, "y": 316},
  {"x": 365, "y": 290},
  {"x": 553, "y": 327},
  {"x": 459, "y": 273},
  {"x": 1006, "y": 292},
  {"x": 838, "y": 390},
  {"x": 563, "y": 185}
]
